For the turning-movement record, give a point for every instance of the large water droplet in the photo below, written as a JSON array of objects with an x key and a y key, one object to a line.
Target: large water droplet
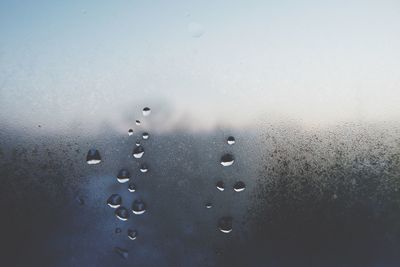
[
  {"x": 114, "y": 201},
  {"x": 137, "y": 122},
  {"x": 231, "y": 140},
  {"x": 123, "y": 176},
  {"x": 196, "y": 30},
  {"x": 131, "y": 187},
  {"x": 144, "y": 168},
  {"x": 132, "y": 234},
  {"x": 122, "y": 213},
  {"x": 138, "y": 152},
  {"x": 227, "y": 160},
  {"x": 138, "y": 207},
  {"x": 220, "y": 186},
  {"x": 225, "y": 224},
  {"x": 145, "y": 136},
  {"x": 208, "y": 205},
  {"x": 122, "y": 252},
  {"x": 93, "y": 157},
  {"x": 239, "y": 186},
  {"x": 146, "y": 111},
  {"x": 130, "y": 132}
]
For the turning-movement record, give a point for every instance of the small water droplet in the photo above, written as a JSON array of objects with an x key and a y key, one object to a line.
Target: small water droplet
[
  {"x": 220, "y": 186},
  {"x": 93, "y": 157},
  {"x": 132, "y": 234},
  {"x": 80, "y": 200},
  {"x": 123, "y": 176},
  {"x": 239, "y": 186},
  {"x": 138, "y": 207},
  {"x": 122, "y": 252},
  {"x": 131, "y": 187},
  {"x": 208, "y": 205},
  {"x": 196, "y": 30},
  {"x": 225, "y": 224},
  {"x": 145, "y": 136},
  {"x": 146, "y": 111},
  {"x": 227, "y": 160},
  {"x": 114, "y": 201},
  {"x": 122, "y": 213},
  {"x": 334, "y": 196},
  {"x": 137, "y": 143},
  {"x": 118, "y": 230},
  {"x": 231, "y": 140},
  {"x": 137, "y": 122},
  {"x": 144, "y": 168},
  {"x": 130, "y": 132},
  {"x": 138, "y": 152}
]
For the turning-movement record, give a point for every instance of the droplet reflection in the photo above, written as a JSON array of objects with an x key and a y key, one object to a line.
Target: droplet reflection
[
  {"x": 122, "y": 214},
  {"x": 123, "y": 176},
  {"x": 114, "y": 201},
  {"x": 93, "y": 157},
  {"x": 227, "y": 160},
  {"x": 225, "y": 224}
]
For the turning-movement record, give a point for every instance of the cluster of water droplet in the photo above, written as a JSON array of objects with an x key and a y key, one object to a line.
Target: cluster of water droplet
[
  {"x": 138, "y": 206},
  {"x": 227, "y": 159}
]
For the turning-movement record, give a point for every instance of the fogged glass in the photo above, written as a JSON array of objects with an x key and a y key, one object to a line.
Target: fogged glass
[{"x": 200, "y": 133}]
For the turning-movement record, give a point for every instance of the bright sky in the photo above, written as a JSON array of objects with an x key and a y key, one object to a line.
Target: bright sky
[{"x": 65, "y": 63}]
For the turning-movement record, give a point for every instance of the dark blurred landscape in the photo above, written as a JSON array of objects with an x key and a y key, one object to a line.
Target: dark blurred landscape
[{"x": 314, "y": 197}]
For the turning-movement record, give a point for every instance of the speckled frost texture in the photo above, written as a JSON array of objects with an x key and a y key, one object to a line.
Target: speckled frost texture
[{"x": 329, "y": 196}]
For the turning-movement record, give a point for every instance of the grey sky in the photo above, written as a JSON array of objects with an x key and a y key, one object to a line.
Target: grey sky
[{"x": 88, "y": 62}]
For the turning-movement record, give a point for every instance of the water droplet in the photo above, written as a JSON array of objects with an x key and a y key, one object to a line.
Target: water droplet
[
  {"x": 131, "y": 187},
  {"x": 80, "y": 200},
  {"x": 132, "y": 234},
  {"x": 145, "y": 136},
  {"x": 231, "y": 140},
  {"x": 138, "y": 207},
  {"x": 122, "y": 252},
  {"x": 144, "y": 168},
  {"x": 225, "y": 224},
  {"x": 118, "y": 230},
  {"x": 137, "y": 122},
  {"x": 114, "y": 201},
  {"x": 138, "y": 152},
  {"x": 146, "y": 111},
  {"x": 123, "y": 176},
  {"x": 93, "y": 157},
  {"x": 239, "y": 186},
  {"x": 137, "y": 143},
  {"x": 334, "y": 196},
  {"x": 227, "y": 160},
  {"x": 130, "y": 132},
  {"x": 208, "y": 205},
  {"x": 220, "y": 186},
  {"x": 196, "y": 30},
  {"x": 122, "y": 213}
]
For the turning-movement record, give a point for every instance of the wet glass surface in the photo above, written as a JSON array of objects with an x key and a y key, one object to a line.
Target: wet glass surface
[{"x": 211, "y": 133}]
